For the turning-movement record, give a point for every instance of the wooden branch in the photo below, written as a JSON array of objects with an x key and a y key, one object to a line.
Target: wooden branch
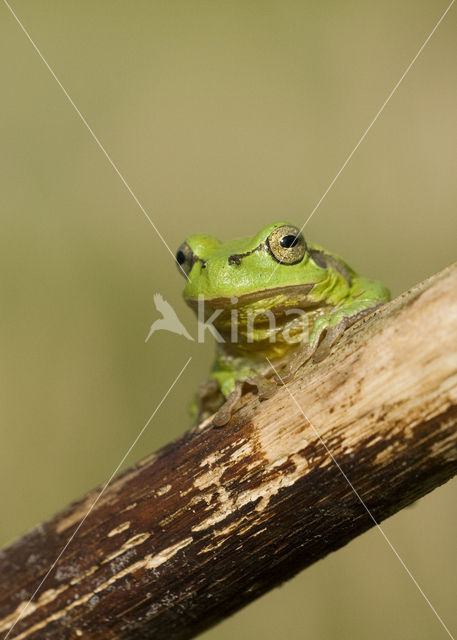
[{"x": 222, "y": 515}]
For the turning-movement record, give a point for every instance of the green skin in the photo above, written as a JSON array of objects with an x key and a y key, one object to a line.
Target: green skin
[{"x": 242, "y": 276}]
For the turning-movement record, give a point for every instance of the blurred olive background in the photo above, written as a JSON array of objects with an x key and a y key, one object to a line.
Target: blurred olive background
[{"x": 222, "y": 116}]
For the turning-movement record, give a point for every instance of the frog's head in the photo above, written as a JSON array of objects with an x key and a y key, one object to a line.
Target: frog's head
[
  {"x": 272, "y": 272},
  {"x": 274, "y": 262}
]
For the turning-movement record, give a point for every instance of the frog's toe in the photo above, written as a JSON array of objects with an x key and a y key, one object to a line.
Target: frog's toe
[
  {"x": 265, "y": 387},
  {"x": 297, "y": 360},
  {"x": 331, "y": 336},
  {"x": 224, "y": 414}
]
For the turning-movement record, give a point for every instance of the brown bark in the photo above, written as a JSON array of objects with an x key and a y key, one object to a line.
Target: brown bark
[{"x": 222, "y": 515}]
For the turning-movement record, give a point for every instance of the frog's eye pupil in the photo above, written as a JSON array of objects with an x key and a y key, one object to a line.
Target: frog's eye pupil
[
  {"x": 286, "y": 244},
  {"x": 180, "y": 257},
  {"x": 289, "y": 241}
]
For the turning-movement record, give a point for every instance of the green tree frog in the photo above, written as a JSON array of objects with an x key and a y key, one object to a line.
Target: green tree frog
[{"x": 272, "y": 296}]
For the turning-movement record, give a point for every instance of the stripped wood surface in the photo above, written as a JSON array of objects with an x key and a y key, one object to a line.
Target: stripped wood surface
[{"x": 222, "y": 515}]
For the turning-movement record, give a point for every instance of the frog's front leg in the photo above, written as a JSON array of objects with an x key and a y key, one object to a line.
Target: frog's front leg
[
  {"x": 234, "y": 376},
  {"x": 265, "y": 389},
  {"x": 326, "y": 332}
]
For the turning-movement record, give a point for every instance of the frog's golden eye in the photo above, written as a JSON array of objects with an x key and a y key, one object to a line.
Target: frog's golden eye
[
  {"x": 185, "y": 258},
  {"x": 286, "y": 245}
]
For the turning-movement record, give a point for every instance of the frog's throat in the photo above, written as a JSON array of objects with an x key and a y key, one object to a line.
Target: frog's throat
[
  {"x": 254, "y": 325},
  {"x": 267, "y": 335}
]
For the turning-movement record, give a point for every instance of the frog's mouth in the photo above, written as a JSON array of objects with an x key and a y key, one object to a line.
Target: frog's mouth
[{"x": 277, "y": 298}]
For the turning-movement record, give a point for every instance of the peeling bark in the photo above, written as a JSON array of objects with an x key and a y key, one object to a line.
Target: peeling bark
[{"x": 220, "y": 516}]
